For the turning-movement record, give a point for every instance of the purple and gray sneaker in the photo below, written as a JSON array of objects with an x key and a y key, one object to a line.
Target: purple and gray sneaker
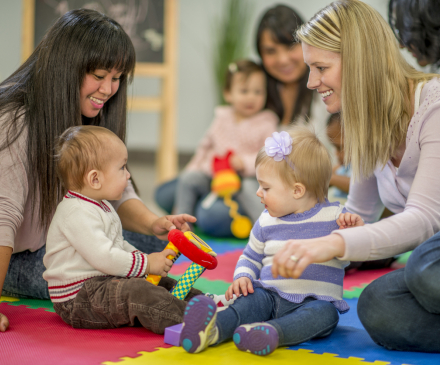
[
  {"x": 199, "y": 329},
  {"x": 256, "y": 338}
]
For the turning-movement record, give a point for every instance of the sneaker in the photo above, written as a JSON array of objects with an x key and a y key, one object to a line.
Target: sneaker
[
  {"x": 256, "y": 338},
  {"x": 199, "y": 329},
  {"x": 220, "y": 300}
]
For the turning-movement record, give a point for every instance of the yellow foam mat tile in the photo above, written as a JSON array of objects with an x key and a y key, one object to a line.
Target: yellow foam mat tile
[
  {"x": 8, "y": 299},
  {"x": 228, "y": 353}
]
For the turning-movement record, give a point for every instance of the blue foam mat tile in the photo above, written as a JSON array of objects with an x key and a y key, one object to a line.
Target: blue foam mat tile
[{"x": 357, "y": 343}]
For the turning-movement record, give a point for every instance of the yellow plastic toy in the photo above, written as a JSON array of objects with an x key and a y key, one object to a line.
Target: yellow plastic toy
[
  {"x": 196, "y": 250},
  {"x": 225, "y": 183}
]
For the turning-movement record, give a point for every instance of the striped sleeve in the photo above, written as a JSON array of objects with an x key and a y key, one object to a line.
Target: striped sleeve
[
  {"x": 139, "y": 264},
  {"x": 250, "y": 262}
]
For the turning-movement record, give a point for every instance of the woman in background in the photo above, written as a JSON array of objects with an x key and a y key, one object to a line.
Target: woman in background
[
  {"x": 416, "y": 24},
  {"x": 287, "y": 73}
]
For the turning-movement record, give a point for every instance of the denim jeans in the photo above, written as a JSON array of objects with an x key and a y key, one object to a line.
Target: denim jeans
[
  {"x": 111, "y": 302},
  {"x": 24, "y": 278},
  {"x": 401, "y": 310},
  {"x": 294, "y": 322},
  {"x": 213, "y": 220}
]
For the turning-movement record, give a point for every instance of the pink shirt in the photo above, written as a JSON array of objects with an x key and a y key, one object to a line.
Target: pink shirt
[
  {"x": 244, "y": 138},
  {"x": 412, "y": 191},
  {"x": 18, "y": 228}
]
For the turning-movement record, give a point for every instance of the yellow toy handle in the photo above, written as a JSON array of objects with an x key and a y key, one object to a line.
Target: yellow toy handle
[{"x": 154, "y": 279}]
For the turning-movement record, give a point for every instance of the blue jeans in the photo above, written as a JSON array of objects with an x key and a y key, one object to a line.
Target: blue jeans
[
  {"x": 24, "y": 278},
  {"x": 401, "y": 310},
  {"x": 294, "y": 322}
]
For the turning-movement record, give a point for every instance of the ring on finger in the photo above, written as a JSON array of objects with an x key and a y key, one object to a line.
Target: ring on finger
[{"x": 294, "y": 258}]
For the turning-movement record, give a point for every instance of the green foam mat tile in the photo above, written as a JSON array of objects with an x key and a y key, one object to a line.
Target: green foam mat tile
[
  {"x": 354, "y": 293},
  {"x": 208, "y": 286},
  {"x": 33, "y": 304}
]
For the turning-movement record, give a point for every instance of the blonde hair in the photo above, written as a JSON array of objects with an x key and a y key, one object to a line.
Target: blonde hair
[
  {"x": 310, "y": 159},
  {"x": 376, "y": 94},
  {"x": 81, "y": 149}
]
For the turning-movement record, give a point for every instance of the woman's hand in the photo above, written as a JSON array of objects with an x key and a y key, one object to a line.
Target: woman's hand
[
  {"x": 163, "y": 225},
  {"x": 242, "y": 285},
  {"x": 296, "y": 255},
  {"x": 4, "y": 323}
]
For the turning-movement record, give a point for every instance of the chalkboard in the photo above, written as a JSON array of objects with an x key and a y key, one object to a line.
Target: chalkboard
[{"x": 143, "y": 20}]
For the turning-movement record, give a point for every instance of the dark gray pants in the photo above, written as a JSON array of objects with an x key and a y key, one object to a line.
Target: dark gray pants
[{"x": 111, "y": 302}]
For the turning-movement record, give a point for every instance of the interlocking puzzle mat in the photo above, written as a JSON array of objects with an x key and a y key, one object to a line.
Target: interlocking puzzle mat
[{"x": 38, "y": 336}]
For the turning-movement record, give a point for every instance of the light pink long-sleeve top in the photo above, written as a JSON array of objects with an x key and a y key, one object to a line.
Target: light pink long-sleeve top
[
  {"x": 412, "y": 191},
  {"x": 244, "y": 138},
  {"x": 18, "y": 228}
]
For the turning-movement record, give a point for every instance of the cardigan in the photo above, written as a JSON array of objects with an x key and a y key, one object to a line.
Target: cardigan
[
  {"x": 85, "y": 240},
  {"x": 322, "y": 281},
  {"x": 412, "y": 191}
]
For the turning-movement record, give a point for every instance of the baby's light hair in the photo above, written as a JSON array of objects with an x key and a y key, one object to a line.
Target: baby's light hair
[
  {"x": 81, "y": 149},
  {"x": 311, "y": 161}
]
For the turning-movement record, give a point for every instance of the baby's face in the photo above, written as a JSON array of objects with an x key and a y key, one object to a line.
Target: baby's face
[
  {"x": 247, "y": 96},
  {"x": 115, "y": 174},
  {"x": 274, "y": 194}
]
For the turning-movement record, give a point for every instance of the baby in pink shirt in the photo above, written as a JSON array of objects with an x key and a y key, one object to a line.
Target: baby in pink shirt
[{"x": 241, "y": 127}]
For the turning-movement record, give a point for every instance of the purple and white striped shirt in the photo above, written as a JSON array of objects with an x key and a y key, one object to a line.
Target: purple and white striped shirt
[{"x": 321, "y": 281}]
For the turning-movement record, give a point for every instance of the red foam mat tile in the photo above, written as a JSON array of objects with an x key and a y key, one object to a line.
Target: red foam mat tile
[{"x": 38, "y": 337}]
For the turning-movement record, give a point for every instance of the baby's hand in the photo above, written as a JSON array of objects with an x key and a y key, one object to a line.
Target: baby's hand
[
  {"x": 158, "y": 264},
  {"x": 242, "y": 285},
  {"x": 349, "y": 220}
]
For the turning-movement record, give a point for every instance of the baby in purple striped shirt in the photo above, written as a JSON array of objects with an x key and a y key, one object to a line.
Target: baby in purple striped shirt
[{"x": 293, "y": 172}]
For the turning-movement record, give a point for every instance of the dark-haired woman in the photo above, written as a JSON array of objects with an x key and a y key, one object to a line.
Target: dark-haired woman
[
  {"x": 416, "y": 24},
  {"x": 287, "y": 74},
  {"x": 78, "y": 74}
]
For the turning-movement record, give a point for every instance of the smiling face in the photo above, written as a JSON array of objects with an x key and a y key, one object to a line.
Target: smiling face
[
  {"x": 283, "y": 62},
  {"x": 115, "y": 172},
  {"x": 247, "y": 95},
  {"x": 97, "y": 88},
  {"x": 325, "y": 75},
  {"x": 277, "y": 198}
]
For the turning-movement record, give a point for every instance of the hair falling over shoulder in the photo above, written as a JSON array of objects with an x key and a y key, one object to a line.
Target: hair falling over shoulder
[
  {"x": 377, "y": 82},
  {"x": 41, "y": 98}
]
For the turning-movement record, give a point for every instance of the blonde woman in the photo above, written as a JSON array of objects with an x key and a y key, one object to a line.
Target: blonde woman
[{"x": 391, "y": 121}]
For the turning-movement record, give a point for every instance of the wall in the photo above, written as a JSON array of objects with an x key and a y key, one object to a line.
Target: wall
[{"x": 196, "y": 87}]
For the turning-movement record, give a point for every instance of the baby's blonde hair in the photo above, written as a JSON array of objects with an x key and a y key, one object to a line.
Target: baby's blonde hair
[
  {"x": 81, "y": 149},
  {"x": 310, "y": 159},
  {"x": 376, "y": 80}
]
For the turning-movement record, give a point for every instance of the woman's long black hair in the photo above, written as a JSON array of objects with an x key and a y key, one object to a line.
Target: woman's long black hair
[
  {"x": 282, "y": 21},
  {"x": 416, "y": 24},
  {"x": 42, "y": 98}
]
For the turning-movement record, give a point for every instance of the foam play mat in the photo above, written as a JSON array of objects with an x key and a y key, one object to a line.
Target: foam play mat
[{"x": 38, "y": 336}]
